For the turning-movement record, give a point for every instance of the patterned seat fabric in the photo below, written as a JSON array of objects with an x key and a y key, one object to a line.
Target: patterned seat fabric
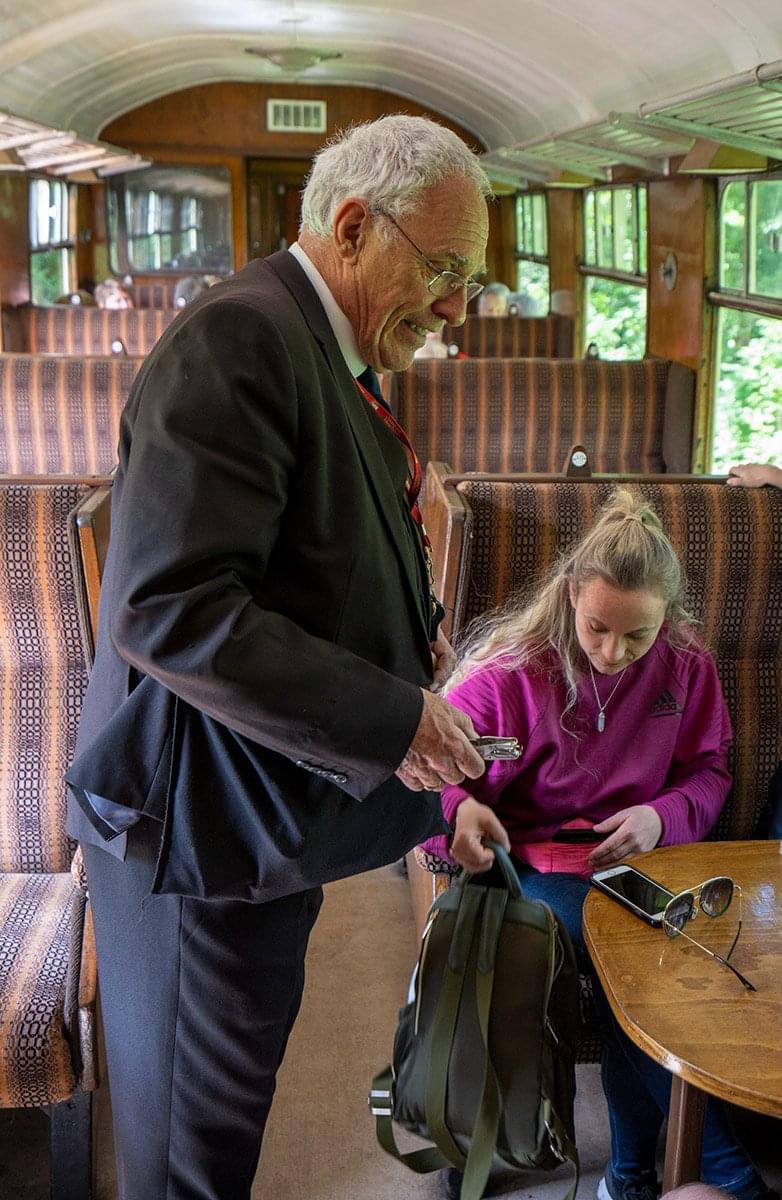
[
  {"x": 523, "y": 415},
  {"x": 39, "y": 918},
  {"x": 61, "y": 415},
  {"x": 152, "y": 295},
  {"x": 513, "y": 337},
  {"x": 72, "y": 329},
  {"x": 43, "y": 675}
]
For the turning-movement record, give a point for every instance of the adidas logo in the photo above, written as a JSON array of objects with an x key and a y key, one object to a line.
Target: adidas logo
[{"x": 665, "y": 706}]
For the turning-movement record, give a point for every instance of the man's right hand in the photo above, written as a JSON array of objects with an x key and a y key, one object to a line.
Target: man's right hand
[
  {"x": 474, "y": 822},
  {"x": 441, "y": 751}
]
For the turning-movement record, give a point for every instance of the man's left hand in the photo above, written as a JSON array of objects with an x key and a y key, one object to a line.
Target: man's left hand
[
  {"x": 443, "y": 660},
  {"x": 632, "y": 830}
]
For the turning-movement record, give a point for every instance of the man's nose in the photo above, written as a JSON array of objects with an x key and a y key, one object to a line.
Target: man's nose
[{"x": 452, "y": 308}]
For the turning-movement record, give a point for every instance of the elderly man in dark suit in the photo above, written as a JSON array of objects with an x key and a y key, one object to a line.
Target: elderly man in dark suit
[{"x": 259, "y": 719}]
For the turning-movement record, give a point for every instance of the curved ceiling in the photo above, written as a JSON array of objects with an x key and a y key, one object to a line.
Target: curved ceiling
[{"x": 509, "y": 70}]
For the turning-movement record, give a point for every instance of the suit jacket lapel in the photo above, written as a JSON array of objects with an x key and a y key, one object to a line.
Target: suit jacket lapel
[{"x": 358, "y": 411}]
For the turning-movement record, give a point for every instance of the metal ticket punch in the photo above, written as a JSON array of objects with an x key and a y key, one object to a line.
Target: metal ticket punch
[{"x": 494, "y": 748}]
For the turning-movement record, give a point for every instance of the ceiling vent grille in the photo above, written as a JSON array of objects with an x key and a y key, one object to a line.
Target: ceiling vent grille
[{"x": 296, "y": 116}]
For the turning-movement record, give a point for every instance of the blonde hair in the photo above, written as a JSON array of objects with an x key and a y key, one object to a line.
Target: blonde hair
[{"x": 628, "y": 549}]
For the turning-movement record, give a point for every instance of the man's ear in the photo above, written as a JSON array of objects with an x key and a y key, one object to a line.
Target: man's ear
[{"x": 350, "y": 228}]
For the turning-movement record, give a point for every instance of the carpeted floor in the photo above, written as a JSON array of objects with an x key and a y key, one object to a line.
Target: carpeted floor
[{"x": 320, "y": 1143}]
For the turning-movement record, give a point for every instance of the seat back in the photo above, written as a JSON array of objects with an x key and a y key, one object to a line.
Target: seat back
[
  {"x": 43, "y": 672},
  {"x": 77, "y": 329},
  {"x": 513, "y": 337},
  {"x": 525, "y": 414},
  {"x": 153, "y": 295},
  {"x": 729, "y": 541},
  {"x": 60, "y": 415}
]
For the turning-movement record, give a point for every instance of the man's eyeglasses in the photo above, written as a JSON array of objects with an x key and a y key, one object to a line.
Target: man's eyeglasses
[
  {"x": 442, "y": 283},
  {"x": 714, "y": 897}
]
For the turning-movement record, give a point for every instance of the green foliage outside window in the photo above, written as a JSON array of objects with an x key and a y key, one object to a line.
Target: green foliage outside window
[
  {"x": 615, "y": 318},
  {"x": 49, "y": 275},
  {"x": 748, "y": 375},
  {"x": 532, "y": 280},
  {"x": 748, "y": 401}
]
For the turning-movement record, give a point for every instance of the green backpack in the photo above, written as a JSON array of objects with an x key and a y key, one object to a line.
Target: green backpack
[{"x": 484, "y": 1050}]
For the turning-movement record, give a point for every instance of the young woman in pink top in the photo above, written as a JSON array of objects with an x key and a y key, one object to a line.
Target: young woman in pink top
[{"x": 625, "y": 733}]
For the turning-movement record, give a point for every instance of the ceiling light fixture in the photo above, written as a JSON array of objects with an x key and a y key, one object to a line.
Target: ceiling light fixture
[{"x": 293, "y": 58}]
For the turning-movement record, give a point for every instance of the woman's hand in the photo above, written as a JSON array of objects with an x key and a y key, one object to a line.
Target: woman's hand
[
  {"x": 474, "y": 822},
  {"x": 632, "y": 830}
]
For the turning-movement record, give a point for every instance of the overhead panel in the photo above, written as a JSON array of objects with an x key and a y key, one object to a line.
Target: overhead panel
[
  {"x": 743, "y": 110},
  {"x": 27, "y": 146}
]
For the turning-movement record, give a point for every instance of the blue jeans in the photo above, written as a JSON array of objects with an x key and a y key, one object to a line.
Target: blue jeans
[{"x": 637, "y": 1088}]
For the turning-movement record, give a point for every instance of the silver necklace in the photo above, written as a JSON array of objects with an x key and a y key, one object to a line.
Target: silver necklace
[{"x": 600, "y": 722}]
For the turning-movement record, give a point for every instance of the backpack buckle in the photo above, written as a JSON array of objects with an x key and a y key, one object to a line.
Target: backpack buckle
[{"x": 380, "y": 1102}]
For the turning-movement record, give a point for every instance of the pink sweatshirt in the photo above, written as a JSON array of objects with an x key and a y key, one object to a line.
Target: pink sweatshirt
[{"x": 666, "y": 737}]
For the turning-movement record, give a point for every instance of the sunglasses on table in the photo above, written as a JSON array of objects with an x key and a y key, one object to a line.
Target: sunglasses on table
[{"x": 714, "y": 897}]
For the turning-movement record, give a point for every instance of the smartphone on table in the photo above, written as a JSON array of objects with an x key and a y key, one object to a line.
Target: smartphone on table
[{"x": 639, "y": 893}]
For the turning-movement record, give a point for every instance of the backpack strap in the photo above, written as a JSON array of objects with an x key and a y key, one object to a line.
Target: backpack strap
[
  {"x": 380, "y": 1105},
  {"x": 562, "y": 1145}
]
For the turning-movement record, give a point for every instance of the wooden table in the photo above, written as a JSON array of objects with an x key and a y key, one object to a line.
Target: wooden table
[{"x": 687, "y": 1011}]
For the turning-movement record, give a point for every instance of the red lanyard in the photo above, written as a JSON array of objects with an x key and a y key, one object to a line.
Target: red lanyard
[{"x": 412, "y": 484}]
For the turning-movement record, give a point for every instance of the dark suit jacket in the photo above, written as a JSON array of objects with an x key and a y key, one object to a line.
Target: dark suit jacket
[{"x": 264, "y": 624}]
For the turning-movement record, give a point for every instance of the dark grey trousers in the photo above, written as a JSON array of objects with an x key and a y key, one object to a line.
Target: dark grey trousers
[{"x": 198, "y": 1000}]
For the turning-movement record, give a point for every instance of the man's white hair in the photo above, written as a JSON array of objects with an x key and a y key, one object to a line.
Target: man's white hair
[{"x": 388, "y": 163}]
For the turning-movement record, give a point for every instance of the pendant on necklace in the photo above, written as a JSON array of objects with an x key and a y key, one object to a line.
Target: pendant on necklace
[{"x": 601, "y": 721}]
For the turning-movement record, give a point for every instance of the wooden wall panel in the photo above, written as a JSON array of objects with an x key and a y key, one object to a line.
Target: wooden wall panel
[
  {"x": 566, "y": 247},
  {"x": 225, "y": 124},
  {"x": 14, "y": 234},
  {"x": 678, "y": 225}
]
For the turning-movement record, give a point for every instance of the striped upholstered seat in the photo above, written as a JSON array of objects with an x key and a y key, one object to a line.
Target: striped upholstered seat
[
  {"x": 513, "y": 337},
  {"x": 525, "y": 414},
  {"x": 72, "y": 329},
  {"x": 46, "y": 1053},
  {"x": 152, "y": 295},
  {"x": 60, "y": 415}
]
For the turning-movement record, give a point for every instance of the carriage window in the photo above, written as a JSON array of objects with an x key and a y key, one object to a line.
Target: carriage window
[
  {"x": 170, "y": 218},
  {"x": 532, "y": 273},
  {"x": 748, "y": 347},
  {"x": 52, "y": 255},
  {"x": 615, "y": 269}
]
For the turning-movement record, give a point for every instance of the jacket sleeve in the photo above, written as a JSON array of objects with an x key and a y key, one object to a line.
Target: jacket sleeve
[
  {"x": 698, "y": 782},
  {"x": 498, "y": 702},
  {"x": 215, "y": 451}
]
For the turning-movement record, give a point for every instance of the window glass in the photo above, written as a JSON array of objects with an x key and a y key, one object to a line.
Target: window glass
[
  {"x": 766, "y": 225},
  {"x": 605, "y": 230},
  {"x": 590, "y": 237},
  {"x": 624, "y": 229},
  {"x": 732, "y": 225},
  {"x": 615, "y": 318},
  {"x": 50, "y": 274},
  {"x": 177, "y": 218},
  {"x": 532, "y": 283},
  {"x": 539, "y": 226},
  {"x": 643, "y": 232},
  {"x": 49, "y": 213},
  {"x": 748, "y": 402}
]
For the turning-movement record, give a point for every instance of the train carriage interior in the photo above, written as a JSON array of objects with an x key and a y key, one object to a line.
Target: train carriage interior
[{"x": 150, "y": 151}]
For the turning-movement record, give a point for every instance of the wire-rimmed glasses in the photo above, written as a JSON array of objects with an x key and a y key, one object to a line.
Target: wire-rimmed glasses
[
  {"x": 714, "y": 897},
  {"x": 443, "y": 283}
]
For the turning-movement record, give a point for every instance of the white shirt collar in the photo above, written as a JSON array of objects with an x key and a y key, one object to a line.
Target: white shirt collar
[{"x": 343, "y": 330}]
